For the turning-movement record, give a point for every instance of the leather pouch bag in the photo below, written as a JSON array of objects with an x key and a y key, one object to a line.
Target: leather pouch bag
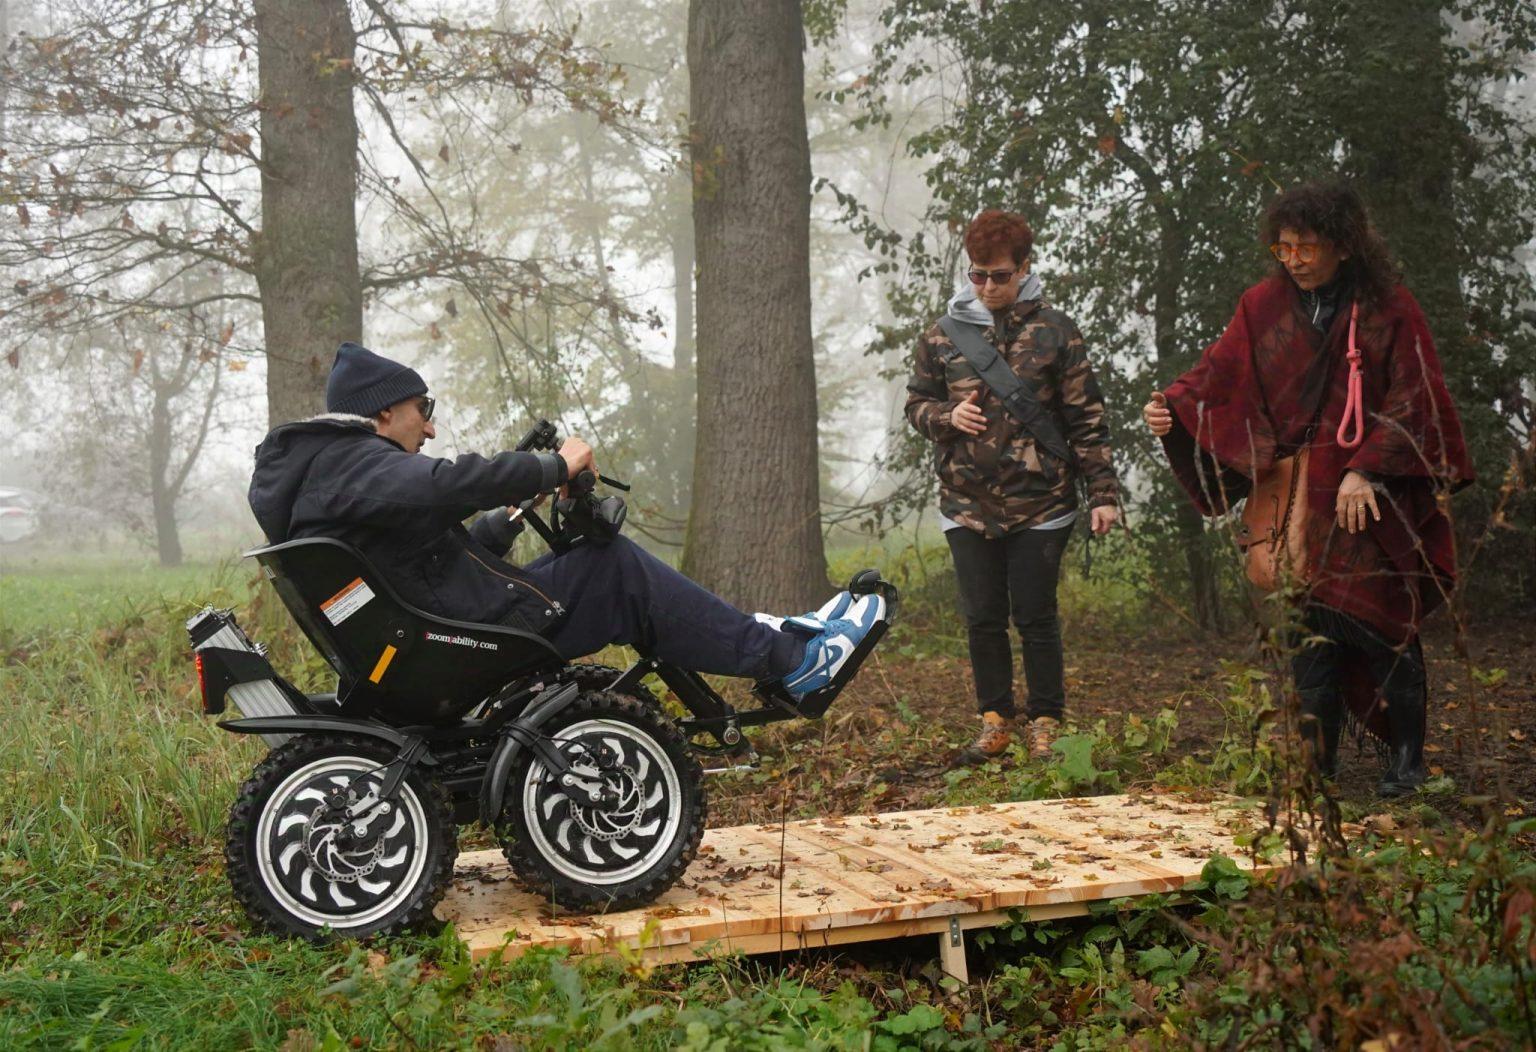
[{"x": 1271, "y": 533}]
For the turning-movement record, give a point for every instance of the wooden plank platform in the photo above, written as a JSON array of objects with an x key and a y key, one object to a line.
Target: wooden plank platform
[{"x": 824, "y": 882}]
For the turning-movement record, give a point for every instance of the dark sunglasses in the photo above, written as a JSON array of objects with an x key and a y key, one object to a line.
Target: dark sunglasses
[
  {"x": 998, "y": 277},
  {"x": 426, "y": 405}
]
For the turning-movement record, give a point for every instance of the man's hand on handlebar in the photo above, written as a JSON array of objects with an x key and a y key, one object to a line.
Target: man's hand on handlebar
[{"x": 577, "y": 456}]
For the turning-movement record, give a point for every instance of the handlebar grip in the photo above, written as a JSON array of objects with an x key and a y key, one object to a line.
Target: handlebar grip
[{"x": 541, "y": 435}]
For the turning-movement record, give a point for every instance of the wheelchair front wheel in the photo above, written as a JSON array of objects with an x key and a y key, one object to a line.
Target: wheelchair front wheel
[{"x": 633, "y": 846}]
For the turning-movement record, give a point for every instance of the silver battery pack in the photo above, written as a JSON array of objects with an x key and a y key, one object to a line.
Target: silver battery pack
[{"x": 257, "y": 698}]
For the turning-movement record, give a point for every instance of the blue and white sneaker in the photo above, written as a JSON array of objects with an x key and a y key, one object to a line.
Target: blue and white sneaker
[
  {"x": 829, "y": 649},
  {"x": 816, "y": 620},
  {"x": 835, "y": 608}
]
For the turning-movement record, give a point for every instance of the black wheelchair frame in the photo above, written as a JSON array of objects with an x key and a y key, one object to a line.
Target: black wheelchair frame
[
  {"x": 471, "y": 695},
  {"x": 429, "y": 709}
]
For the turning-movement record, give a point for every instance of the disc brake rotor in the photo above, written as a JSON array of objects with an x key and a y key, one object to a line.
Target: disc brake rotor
[
  {"x": 334, "y": 854},
  {"x": 612, "y": 821}
]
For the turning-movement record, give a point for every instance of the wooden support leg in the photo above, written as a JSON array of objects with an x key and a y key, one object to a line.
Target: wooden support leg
[{"x": 952, "y": 951}]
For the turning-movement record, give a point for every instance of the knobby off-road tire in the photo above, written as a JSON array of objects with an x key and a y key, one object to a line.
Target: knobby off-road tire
[
  {"x": 593, "y": 677},
  {"x": 609, "y": 857},
  {"x": 297, "y": 874}
]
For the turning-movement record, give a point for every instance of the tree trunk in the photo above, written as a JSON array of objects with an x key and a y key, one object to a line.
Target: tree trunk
[
  {"x": 167, "y": 533},
  {"x": 1205, "y": 594},
  {"x": 682, "y": 294},
  {"x": 754, "y": 527},
  {"x": 306, "y": 255},
  {"x": 162, "y": 495},
  {"x": 683, "y": 394}
]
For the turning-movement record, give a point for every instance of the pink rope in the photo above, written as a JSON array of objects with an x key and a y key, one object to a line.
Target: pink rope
[{"x": 1354, "y": 404}]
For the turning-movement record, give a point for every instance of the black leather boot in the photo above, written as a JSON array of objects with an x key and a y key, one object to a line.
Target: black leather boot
[
  {"x": 1405, "y": 749},
  {"x": 1321, "y": 722}
]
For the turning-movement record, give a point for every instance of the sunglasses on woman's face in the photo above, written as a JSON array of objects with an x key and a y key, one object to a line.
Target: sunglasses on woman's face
[
  {"x": 425, "y": 406},
  {"x": 997, "y": 277}
]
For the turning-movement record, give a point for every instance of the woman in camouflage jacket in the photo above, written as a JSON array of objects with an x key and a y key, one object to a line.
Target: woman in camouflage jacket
[{"x": 1008, "y": 504}]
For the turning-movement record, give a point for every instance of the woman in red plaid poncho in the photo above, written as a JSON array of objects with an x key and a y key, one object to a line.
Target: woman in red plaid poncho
[{"x": 1379, "y": 553}]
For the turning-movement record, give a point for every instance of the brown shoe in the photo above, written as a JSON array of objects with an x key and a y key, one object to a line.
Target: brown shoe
[
  {"x": 1038, "y": 735},
  {"x": 992, "y": 742}
]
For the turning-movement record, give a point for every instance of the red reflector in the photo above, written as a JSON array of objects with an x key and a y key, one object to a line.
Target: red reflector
[{"x": 202, "y": 684}]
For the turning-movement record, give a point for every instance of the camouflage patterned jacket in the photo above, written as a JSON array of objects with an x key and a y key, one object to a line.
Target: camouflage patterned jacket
[{"x": 992, "y": 482}]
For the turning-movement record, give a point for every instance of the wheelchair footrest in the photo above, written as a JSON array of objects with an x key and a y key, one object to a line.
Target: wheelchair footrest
[{"x": 815, "y": 704}]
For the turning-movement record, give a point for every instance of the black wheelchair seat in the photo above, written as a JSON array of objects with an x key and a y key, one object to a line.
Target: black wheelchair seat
[{"x": 390, "y": 657}]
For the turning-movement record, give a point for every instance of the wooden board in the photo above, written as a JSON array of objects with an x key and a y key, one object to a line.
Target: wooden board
[{"x": 823, "y": 882}]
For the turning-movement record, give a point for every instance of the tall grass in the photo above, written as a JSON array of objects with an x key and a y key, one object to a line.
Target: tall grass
[
  {"x": 105, "y": 755},
  {"x": 117, "y": 928}
]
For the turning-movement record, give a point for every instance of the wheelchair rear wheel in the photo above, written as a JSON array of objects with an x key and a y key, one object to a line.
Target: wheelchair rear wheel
[
  {"x": 632, "y": 847},
  {"x": 300, "y": 867}
]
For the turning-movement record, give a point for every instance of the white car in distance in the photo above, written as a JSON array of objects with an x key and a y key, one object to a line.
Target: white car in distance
[{"x": 18, "y": 515}]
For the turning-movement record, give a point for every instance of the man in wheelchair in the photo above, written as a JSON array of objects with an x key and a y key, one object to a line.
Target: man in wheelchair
[
  {"x": 456, "y": 700},
  {"x": 355, "y": 474}
]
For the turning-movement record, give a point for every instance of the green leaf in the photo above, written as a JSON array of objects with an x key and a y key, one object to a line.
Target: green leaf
[
  {"x": 1076, "y": 763},
  {"x": 919, "y": 1019}
]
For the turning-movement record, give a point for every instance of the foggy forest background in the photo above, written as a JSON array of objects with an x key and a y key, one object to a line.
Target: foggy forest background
[{"x": 706, "y": 241}]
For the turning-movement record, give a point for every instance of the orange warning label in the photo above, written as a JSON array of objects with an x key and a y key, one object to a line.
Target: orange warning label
[{"x": 347, "y": 602}]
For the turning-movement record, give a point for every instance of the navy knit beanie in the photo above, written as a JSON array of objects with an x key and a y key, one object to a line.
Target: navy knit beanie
[{"x": 364, "y": 383}]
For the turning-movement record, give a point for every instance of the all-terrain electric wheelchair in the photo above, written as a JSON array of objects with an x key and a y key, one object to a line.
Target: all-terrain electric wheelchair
[{"x": 350, "y": 823}]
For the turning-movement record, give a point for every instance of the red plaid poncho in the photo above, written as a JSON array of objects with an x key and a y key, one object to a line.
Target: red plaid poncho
[{"x": 1271, "y": 383}]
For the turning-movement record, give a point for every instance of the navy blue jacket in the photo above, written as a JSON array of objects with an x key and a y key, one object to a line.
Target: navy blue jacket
[{"x": 334, "y": 476}]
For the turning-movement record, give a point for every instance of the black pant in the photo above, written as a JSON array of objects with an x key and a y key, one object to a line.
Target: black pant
[
  {"x": 1012, "y": 576},
  {"x": 620, "y": 593},
  {"x": 1397, "y": 672}
]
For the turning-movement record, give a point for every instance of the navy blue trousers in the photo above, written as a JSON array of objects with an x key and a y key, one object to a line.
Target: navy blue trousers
[{"x": 620, "y": 593}]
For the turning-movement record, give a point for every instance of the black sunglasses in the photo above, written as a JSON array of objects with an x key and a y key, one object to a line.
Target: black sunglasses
[
  {"x": 426, "y": 404},
  {"x": 999, "y": 277}
]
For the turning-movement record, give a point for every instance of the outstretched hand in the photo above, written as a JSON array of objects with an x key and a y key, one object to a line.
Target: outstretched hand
[
  {"x": 967, "y": 415},
  {"x": 1158, "y": 416}
]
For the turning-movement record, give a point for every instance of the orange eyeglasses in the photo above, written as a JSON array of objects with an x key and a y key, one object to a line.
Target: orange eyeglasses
[{"x": 1304, "y": 253}]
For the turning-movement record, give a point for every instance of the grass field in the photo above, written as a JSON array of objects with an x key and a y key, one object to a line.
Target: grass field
[{"x": 117, "y": 928}]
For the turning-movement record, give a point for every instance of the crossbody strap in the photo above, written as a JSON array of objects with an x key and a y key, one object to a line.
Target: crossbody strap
[{"x": 1017, "y": 396}]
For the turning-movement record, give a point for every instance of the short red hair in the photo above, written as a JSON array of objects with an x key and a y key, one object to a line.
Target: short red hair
[{"x": 995, "y": 232}]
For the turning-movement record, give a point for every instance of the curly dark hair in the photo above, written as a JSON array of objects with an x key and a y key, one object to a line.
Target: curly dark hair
[
  {"x": 994, "y": 232},
  {"x": 1332, "y": 209}
]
